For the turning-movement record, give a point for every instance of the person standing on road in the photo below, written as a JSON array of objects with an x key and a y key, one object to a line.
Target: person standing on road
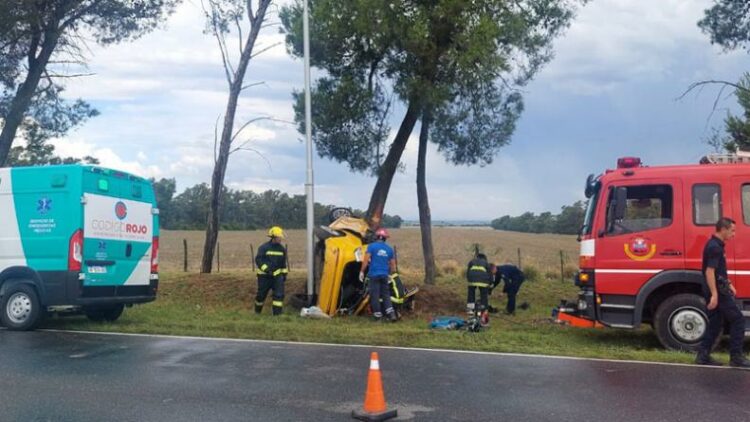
[
  {"x": 512, "y": 278},
  {"x": 271, "y": 270},
  {"x": 379, "y": 262},
  {"x": 720, "y": 299},
  {"x": 479, "y": 276}
]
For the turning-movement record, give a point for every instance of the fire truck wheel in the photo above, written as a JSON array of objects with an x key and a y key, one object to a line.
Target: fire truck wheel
[{"x": 680, "y": 322}]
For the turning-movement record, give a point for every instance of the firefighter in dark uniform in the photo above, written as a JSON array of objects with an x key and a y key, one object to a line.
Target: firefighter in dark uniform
[
  {"x": 720, "y": 300},
  {"x": 479, "y": 276},
  {"x": 512, "y": 278},
  {"x": 272, "y": 271}
]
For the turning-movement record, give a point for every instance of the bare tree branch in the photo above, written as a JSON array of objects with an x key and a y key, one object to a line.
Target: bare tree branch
[
  {"x": 252, "y": 85},
  {"x": 246, "y": 148},
  {"x": 239, "y": 31},
  {"x": 270, "y": 25},
  {"x": 211, "y": 15},
  {"x": 254, "y": 120},
  {"x": 72, "y": 75},
  {"x": 216, "y": 135},
  {"x": 701, "y": 84},
  {"x": 265, "y": 49},
  {"x": 724, "y": 85}
]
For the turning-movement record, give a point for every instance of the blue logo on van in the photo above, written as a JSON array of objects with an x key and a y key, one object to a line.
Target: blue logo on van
[
  {"x": 121, "y": 211},
  {"x": 44, "y": 205}
]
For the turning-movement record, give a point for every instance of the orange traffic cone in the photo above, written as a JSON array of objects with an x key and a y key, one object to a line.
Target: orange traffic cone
[{"x": 375, "y": 408}]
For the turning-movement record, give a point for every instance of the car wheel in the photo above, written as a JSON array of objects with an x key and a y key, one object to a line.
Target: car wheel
[
  {"x": 680, "y": 322},
  {"x": 20, "y": 308}
]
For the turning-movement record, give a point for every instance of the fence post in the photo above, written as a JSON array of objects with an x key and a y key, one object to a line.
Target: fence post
[
  {"x": 286, "y": 254},
  {"x": 185, "y": 255},
  {"x": 562, "y": 266},
  {"x": 218, "y": 257},
  {"x": 519, "y": 258},
  {"x": 252, "y": 256}
]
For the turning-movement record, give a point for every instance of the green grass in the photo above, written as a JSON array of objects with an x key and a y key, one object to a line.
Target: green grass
[{"x": 219, "y": 306}]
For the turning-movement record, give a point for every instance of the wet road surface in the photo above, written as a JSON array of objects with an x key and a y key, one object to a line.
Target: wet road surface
[{"x": 59, "y": 376}]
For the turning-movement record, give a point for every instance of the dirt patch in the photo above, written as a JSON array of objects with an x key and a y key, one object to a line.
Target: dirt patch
[{"x": 433, "y": 300}]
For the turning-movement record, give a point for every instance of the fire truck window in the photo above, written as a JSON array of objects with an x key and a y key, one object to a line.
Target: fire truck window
[
  {"x": 648, "y": 207},
  {"x": 746, "y": 203},
  {"x": 706, "y": 204}
]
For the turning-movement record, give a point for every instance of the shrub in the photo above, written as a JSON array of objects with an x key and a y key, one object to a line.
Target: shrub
[{"x": 531, "y": 273}]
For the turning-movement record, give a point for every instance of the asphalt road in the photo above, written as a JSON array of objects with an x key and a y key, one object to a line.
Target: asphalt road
[{"x": 56, "y": 376}]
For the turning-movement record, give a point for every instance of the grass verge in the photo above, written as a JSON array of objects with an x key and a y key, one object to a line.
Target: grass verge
[{"x": 219, "y": 306}]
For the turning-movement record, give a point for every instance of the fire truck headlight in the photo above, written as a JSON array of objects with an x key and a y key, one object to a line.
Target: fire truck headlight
[{"x": 582, "y": 305}]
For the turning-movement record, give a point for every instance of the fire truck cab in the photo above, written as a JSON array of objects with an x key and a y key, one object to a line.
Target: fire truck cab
[{"x": 642, "y": 242}]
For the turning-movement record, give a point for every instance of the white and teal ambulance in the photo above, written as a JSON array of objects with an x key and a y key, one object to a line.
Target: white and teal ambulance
[{"x": 75, "y": 239}]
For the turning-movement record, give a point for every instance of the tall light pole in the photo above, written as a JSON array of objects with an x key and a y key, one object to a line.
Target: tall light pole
[{"x": 309, "y": 189}]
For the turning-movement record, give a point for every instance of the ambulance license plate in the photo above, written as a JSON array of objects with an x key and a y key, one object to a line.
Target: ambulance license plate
[{"x": 98, "y": 270}]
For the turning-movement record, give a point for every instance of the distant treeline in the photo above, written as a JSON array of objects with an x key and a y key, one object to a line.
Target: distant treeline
[
  {"x": 241, "y": 210},
  {"x": 568, "y": 221}
]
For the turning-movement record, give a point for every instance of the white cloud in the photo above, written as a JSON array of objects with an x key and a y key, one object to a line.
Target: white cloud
[
  {"x": 79, "y": 148},
  {"x": 613, "y": 42}
]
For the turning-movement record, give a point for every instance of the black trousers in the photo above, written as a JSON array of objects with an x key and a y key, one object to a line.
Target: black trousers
[
  {"x": 266, "y": 284},
  {"x": 379, "y": 291},
  {"x": 728, "y": 311},
  {"x": 512, "y": 291},
  {"x": 483, "y": 296}
]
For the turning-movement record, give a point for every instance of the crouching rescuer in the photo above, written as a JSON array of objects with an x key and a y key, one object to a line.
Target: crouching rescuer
[
  {"x": 272, "y": 271},
  {"x": 380, "y": 262}
]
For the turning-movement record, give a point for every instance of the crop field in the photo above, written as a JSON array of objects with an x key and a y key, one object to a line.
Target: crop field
[{"x": 453, "y": 248}]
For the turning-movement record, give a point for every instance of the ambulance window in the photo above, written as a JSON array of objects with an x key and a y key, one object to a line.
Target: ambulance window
[
  {"x": 647, "y": 207},
  {"x": 746, "y": 203},
  {"x": 706, "y": 204}
]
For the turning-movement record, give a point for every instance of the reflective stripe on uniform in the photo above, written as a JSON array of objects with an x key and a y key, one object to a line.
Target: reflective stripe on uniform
[
  {"x": 258, "y": 303},
  {"x": 284, "y": 271},
  {"x": 280, "y": 271},
  {"x": 478, "y": 268},
  {"x": 264, "y": 267},
  {"x": 397, "y": 301},
  {"x": 275, "y": 253},
  {"x": 278, "y": 303},
  {"x": 478, "y": 284},
  {"x": 260, "y": 272}
]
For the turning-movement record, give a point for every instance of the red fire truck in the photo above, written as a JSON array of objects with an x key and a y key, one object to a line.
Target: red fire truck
[{"x": 642, "y": 243}]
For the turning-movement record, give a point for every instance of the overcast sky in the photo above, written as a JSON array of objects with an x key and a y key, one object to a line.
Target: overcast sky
[{"x": 610, "y": 91}]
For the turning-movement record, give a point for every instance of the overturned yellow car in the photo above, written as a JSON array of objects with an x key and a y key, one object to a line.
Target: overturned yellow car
[{"x": 339, "y": 250}]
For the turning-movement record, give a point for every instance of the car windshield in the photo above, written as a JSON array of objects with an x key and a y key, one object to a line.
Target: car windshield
[{"x": 588, "y": 219}]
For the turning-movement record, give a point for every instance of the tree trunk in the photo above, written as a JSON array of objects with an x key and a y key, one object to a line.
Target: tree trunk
[
  {"x": 22, "y": 100},
  {"x": 227, "y": 134},
  {"x": 425, "y": 219},
  {"x": 390, "y": 165}
]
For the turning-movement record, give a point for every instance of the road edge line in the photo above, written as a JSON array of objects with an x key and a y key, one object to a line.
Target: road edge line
[{"x": 365, "y": 346}]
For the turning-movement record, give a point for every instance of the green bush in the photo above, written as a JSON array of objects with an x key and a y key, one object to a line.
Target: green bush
[{"x": 531, "y": 273}]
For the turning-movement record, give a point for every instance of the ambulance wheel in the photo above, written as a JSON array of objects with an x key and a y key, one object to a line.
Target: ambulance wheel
[
  {"x": 21, "y": 309},
  {"x": 105, "y": 313},
  {"x": 680, "y": 322}
]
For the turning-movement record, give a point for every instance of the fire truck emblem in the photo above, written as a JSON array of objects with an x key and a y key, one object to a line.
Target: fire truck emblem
[{"x": 640, "y": 249}]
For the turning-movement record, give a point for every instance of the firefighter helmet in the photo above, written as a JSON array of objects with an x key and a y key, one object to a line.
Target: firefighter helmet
[{"x": 276, "y": 231}]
